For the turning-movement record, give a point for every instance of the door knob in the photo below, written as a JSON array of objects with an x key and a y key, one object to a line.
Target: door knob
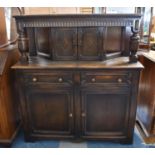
[
  {"x": 60, "y": 79},
  {"x": 34, "y": 79},
  {"x": 93, "y": 80},
  {"x": 119, "y": 80},
  {"x": 83, "y": 114},
  {"x": 70, "y": 115}
]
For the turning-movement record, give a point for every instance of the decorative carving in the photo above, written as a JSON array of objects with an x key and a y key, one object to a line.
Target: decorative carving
[
  {"x": 22, "y": 43},
  {"x": 134, "y": 42},
  {"x": 76, "y": 20}
]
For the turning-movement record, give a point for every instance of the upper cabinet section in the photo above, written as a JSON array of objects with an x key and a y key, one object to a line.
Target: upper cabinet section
[{"x": 78, "y": 37}]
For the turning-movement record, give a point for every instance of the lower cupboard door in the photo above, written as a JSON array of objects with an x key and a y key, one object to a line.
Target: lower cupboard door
[
  {"x": 104, "y": 116},
  {"x": 50, "y": 112}
]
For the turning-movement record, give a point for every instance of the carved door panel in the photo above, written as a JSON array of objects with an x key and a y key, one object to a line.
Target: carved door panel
[
  {"x": 90, "y": 43},
  {"x": 49, "y": 111},
  {"x": 105, "y": 113},
  {"x": 64, "y": 43}
]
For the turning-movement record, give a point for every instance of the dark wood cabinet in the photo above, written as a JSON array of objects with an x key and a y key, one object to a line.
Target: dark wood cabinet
[
  {"x": 69, "y": 103},
  {"x": 67, "y": 96}
]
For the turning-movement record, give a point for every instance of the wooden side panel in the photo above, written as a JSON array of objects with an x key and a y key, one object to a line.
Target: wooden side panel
[
  {"x": 8, "y": 106},
  {"x": 8, "y": 121},
  {"x": 114, "y": 39},
  {"x": 42, "y": 41}
]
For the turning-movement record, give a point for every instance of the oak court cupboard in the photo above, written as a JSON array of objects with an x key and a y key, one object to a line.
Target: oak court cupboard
[{"x": 78, "y": 76}]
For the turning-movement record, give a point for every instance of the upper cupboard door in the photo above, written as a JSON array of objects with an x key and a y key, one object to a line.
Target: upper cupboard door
[
  {"x": 64, "y": 43},
  {"x": 90, "y": 43}
]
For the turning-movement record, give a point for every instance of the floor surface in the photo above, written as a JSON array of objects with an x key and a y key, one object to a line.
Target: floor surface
[{"x": 137, "y": 143}]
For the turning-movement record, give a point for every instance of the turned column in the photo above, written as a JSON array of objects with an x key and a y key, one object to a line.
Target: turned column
[
  {"x": 134, "y": 41},
  {"x": 23, "y": 43}
]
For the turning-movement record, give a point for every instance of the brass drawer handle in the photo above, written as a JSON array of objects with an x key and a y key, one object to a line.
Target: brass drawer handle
[
  {"x": 93, "y": 80},
  {"x": 34, "y": 79},
  {"x": 70, "y": 115},
  {"x": 120, "y": 80},
  {"x": 60, "y": 79},
  {"x": 83, "y": 114}
]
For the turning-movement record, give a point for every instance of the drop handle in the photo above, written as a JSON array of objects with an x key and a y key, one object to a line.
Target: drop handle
[
  {"x": 120, "y": 80},
  {"x": 83, "y": 114},
  {"x": 34, "y": 79},
  {"x": 60, "y": 79},
  {"x": 70, "y": 115},
  {"x": 93, "y": 80}
]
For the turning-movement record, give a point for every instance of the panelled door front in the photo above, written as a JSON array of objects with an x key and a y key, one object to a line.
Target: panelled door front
[
  {"x": 64, "y": 43},
  {"x": 50, "y": 111},
  {"x": 90, "y": 43},
  {"x": 81, "y": 43},
  {"x": 104, "y": 113}
]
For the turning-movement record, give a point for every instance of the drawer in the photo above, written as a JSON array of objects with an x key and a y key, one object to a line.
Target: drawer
[
  {"x": 105, "y": 77},
  {"x": 48, "y": 77}
]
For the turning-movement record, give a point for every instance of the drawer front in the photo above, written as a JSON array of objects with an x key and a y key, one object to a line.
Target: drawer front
[
  {"x": 106, "y": 77},
  {"x": 48, "y": 77}
]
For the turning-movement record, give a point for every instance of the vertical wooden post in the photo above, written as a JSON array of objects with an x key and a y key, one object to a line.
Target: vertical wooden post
[
  {"x": 134, "y": 42},
  {"x": 22, "y": 42}
]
